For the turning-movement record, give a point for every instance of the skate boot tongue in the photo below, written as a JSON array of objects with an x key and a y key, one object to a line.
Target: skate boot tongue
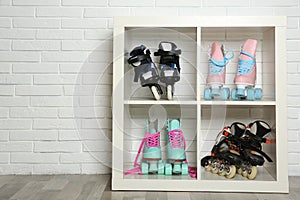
[
  {"x": 260, "y": 128},
  {"x": 237, "y": 129}
]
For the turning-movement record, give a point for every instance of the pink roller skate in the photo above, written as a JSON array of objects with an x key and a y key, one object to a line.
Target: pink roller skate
[
  {"x": 217, "y": 71},
  {"x": 246, "y": 74}
]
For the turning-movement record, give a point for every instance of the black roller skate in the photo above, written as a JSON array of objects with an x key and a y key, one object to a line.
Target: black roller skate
[
  {"x": 145, "y": 70},
  {"x": 169, "y": 65},
  {"x": 224, "y": 157}
]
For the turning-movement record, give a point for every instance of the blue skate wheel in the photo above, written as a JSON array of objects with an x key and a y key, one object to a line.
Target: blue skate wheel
[
  {"x": 250, "y": 94},
  {"x": 184, "y": 169},
  {"x": 144, "y": 168},
  {"x": 225, "y": 93},
  {"x": 161, "y": 168},
  {"x": 207, "y": 94},
  {"x": 168, "y": 169},
  {"x": 177, "y": 169},
  {"x": 240, "y": 92},
  {"x": 215, "y": 92},
  {"x": 258, "y": 94},
  {"x": 153, "y": 167},
  {"x": 233, "y": 95}
]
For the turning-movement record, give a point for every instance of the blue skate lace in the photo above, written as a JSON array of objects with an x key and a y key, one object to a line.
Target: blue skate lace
[
  {"x": 245, "y": 66},
  {"x": 217, "y": 66}
]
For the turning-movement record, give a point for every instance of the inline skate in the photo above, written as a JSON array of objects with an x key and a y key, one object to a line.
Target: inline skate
[
  {"x": 145, "y": 70},
  {"x": 152, "y": 159},
  {"x": 225, "y": 154},
  {"x": 169, "y": 65},
  {"x": 217, "y": 72},
  {"x": 246, "y": 74},
  {"x": 238, "y": 150},
  {"x": 176, "y": 161},
  {"x": 251, "y": 148}
]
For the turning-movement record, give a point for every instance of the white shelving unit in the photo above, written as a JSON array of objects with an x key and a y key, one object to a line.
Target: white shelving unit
[{"x": 201, "y": 120}]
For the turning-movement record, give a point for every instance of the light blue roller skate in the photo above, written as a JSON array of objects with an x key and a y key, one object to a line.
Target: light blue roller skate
[
  {"x": 176, "y": 163},
  {"x": 151, "y": 162}
]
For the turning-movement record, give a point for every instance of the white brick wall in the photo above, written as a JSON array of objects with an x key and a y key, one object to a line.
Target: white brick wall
[{"x": 56, "y": 77}]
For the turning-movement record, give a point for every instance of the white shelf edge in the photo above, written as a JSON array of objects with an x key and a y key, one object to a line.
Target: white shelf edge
[
  {"x": 160, "y": 102},
  {"x": 241, "y": 103}
]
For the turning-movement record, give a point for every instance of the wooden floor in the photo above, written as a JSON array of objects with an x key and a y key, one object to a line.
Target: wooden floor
[{"x": 86, "y": 187}]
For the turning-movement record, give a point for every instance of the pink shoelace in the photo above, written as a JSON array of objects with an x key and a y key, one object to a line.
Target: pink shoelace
[
  {"x": 176, "y": 139},
  {"x": 152, "y": 140}
]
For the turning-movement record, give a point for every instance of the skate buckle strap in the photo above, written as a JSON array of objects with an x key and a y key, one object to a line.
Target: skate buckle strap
[
  {"x": 176, "y": 138},
  {"x": 217, "y": 66},
  {"x": 245, "y": 66},
  {"x": 151, "y": 140}
]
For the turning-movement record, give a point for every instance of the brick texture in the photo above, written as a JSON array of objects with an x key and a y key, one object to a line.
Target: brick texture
[{"x": 56, "y": 77}]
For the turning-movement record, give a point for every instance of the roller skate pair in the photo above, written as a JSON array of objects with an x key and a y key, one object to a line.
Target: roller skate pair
[
  {"x": 238, "y": 149},
  {"x": 244, "y": 79},
  {"x": 152, "y": 162},
  {"x": 147, "y": 72}
]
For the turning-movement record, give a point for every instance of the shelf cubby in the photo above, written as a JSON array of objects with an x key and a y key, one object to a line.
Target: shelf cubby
[
  {"x": 135, "y": 126},
  {"x": 233, "y": 38},
  {"x": 213, "y": 117},
  {"x": 184, "y": 38}
]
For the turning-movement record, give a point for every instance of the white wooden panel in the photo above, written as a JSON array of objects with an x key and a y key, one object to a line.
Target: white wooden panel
[{"x": 202, "y": 120}]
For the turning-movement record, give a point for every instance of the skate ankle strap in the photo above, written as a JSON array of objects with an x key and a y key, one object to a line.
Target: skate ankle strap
[
  {"x": 245, "y": 66},
  {"x": 218, "y": 63},
  {"x": 247, "y": 54},
  {"x": 138, "y": 58},
  {"x": 223, "y": 63}
]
